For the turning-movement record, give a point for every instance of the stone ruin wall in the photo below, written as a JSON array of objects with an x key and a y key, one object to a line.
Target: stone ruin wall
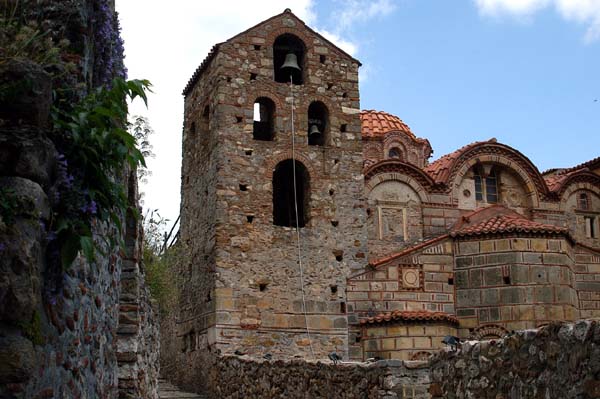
[
  {"x": 242, "y": 378},
  {"x": 97, "y": 336},
  {"x": 561, "y": 360}
]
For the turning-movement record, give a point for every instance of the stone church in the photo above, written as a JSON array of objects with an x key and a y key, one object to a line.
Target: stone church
[{"x": 313, "y": 227}]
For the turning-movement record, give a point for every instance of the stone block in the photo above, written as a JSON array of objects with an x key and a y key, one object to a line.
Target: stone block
[
  {"x": 467, "y": 298},
  {"x": 461, "y": 279},
  {"x": 511, "y": 295},
  {"x": 422, "y": 342},
  {"x": 492, "y": 276},
  {"x": 475, "y": 278},
  {"x": 490, "y": 297},
  {"x": 532, "y": 257},
  {"x": 539, "y": 244},
  {"x": 544, "y": 294},
  {"x": 520, "y": 244},
  {"x": 468, "y": 247},
  {"x": 486, "y": 246}
]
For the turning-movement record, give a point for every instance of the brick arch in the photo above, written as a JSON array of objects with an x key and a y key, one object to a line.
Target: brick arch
[
  {"x": 573, "y": 186},
  {"x": 530, "y": 185},
  {"x": 300, "y": 34},
  {"x": 395, "y": 143},
  {"x": 488, "y": 331},
  {"x": 262, "y": 90},
  {"x": 282, "y": 156},
  {"x": 372, "y": 151},
  {"x": 398, "y": 176},
  {"x": 421, "y": 355}
]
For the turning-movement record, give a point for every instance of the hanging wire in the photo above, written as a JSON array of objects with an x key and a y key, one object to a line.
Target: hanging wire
[{"x": 298, "y": 225}]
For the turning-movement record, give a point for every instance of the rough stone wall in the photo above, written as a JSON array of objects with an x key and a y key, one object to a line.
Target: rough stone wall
[
  {"x": 241, "y": 378},
  {"x": 515, "y": 282},
  {"x": 557, "y": 361},
  {"x": 58, "y": 329},
  {"x": 138, "y": 333},
  {"x": 230, "y": 225}
]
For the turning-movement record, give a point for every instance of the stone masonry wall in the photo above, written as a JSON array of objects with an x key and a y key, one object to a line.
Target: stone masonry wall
[
  {"x": 240, "y": 378},
  {"x": 58, "y": 328},
  {"x": 560, "y": 360},
  {"x": 241, "y": 287},
  {"x": 518, "y": 283}
]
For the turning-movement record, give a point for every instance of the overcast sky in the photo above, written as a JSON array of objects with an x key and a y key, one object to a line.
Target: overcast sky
[{"x": 524, "y": 71}]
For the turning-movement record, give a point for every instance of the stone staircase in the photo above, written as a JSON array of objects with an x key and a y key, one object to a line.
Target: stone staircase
[{"x": 166, "y": 390}]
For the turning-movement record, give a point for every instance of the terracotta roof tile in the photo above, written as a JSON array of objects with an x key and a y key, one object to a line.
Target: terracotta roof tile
[
  {"x": 410, "y": 316},
  {"x": 439, "y": 169},
  {"x": 378, "y": 123},
  {"x": 506, "y": 221},
  {"x": 554, "y": 182}
]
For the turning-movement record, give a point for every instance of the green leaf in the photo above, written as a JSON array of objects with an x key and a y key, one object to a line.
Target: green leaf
[
  {"x": 69, "y": 250},
  {"x": 87, "y": 245}
]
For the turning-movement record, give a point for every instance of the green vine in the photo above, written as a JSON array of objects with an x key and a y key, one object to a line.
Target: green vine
[{"x": 96, "y": 149}]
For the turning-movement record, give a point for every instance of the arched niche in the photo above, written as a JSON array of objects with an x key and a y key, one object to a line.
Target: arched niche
[
  {"x": 581, "y": 205},
  {"x": 513, "y": 186},
  {"x": 394, "y": 212},
  {"x": 286, "y": 198}
]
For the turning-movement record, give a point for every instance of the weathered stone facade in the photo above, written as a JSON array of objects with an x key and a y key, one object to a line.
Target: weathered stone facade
[{"x": 475, "y": 244}]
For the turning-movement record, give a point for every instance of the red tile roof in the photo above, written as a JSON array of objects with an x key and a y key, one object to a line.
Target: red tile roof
[
  {"x": 378, "y": 123},
  {"x": 500, "y": 220},
  {"x": 554, "y": 182},
  {"x": 440, "y": 169},
  {"x": 396, "y": 255},
  {"x": 410, "y": 316}
]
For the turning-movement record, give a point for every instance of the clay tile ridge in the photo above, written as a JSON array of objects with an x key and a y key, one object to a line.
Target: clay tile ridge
[
  {"x": 376, "y": 124},
  {"x": 440, "y": 169},
  {"x": 507, "y": 222},
  {"x": 410, "y": 316}
]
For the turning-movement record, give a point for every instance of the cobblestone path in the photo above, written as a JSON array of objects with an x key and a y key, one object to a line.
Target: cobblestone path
[{"x": 167, "y": 390}]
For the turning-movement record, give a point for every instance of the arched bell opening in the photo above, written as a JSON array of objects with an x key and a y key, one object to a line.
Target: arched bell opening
[
  {"x": 289, "y": 54},
  {"x": 318, "y": 124}
]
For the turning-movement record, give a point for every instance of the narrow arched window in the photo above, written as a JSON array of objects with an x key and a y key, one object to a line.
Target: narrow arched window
[
  {"x": 318, "y": 123},
  {"x": 284, "y": 201},
  {"x": 583, "y": 201},
  {"x": 395, "y": 153},
  {"x": 264, "y": 119},
  {"x": 288, "y": 59},
  {"x": 491, "y": 187},
  {"x": 486, "y": 186}
]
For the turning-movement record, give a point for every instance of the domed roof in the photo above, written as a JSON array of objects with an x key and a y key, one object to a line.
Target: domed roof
[{"x": 378, "y": 123}]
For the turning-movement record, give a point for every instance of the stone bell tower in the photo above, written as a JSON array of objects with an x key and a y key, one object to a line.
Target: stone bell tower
[{"x": 251, "y": 282}]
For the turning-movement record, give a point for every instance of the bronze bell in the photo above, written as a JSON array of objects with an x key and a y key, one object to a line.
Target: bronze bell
[
  {"x": 314, "y": 132},
  {"x": 291, "y": 61}
]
